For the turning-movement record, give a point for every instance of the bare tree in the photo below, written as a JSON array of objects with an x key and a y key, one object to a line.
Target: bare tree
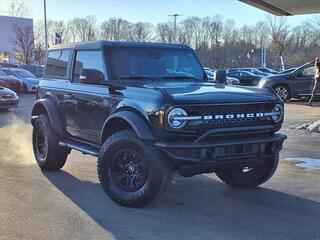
[
  {"x": 116, "y": 29},
  {"x": 39, "y": 52},
  {"x": 85, "y": 28},
  {"x": 24, "y": 43},
  {"x": 164, "y": 32},
  {"x": 142, "y": 31},
  {"x": 280, "y": 33},
  {"x": 18, "y": 9}
]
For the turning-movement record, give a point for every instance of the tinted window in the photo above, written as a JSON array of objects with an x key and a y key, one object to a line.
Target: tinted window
[
  {"x": 233, "y": 74},
  {"x": 57, "y": 63},
  {"x": 244, "y": 74},
  {"x": 308, "y": 71},
  {"x": 24, "y": 73},
  {"x": 89, "y": 65}
]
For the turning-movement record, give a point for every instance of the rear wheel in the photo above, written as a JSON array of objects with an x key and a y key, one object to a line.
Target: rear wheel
[
  {"x": 283, "y": 92},
  {"x": 249, "y": 177},
  {"x": 49, "y": 155},
  {"x": 131, "y": 172}
]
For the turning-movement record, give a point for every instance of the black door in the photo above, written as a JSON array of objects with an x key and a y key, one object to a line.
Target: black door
[
  {"x": 87, "y": 101},
  {"x": 303, "y": 80}
]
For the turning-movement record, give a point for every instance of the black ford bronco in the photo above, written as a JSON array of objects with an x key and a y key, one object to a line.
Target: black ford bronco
[{"x": 147, "y": 110}]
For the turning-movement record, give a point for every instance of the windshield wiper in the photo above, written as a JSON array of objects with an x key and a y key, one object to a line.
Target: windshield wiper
[
  {"x": 182, "y": 77},
  {"x": 135, "y": 77}
]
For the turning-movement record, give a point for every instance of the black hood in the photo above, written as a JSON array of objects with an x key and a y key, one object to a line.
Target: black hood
[{"x": 190, "y": 92}]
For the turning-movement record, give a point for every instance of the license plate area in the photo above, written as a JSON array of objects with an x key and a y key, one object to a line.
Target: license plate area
[{"x": 238, "y": 150}]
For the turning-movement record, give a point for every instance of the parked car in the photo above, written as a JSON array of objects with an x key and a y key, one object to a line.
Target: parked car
[
  {"x": 37, "y": 70},
  {"x": 245, "y": 78},
  {"x": 8, "y": 65},
  {"x": 289, "y": 70},
  {"x": 30, "y": 81},
  {"x": 295, "y": 84},
  {"x": 8, "y": 99},
  {"x": 229, "y": 81},
  {"x": 10, "y": 82},
  {"x": 267, "y": 70},
  {"x": 251, "y": 70},
  {"x": 232, "y": 81}
]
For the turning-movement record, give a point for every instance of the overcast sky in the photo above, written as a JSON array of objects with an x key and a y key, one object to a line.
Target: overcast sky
[{"x": 152, "y": 11}]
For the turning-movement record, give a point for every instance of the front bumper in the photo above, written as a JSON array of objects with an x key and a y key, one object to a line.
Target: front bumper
[
  {"x": 9, "y": 103},
  {"x": 202, "y": 156},
  {"x": 32, "y": 87}
]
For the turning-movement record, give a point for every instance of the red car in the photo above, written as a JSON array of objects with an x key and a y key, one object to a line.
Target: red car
[{"x": 10, "y": 82}]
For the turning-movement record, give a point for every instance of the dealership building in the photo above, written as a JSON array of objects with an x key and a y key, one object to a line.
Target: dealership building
[{"x": 8, "y": 54}]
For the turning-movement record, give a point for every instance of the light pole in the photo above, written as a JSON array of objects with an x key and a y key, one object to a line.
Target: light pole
[
  {"x": 175, "y": 26},
  {"x": 45, "y": 26}
]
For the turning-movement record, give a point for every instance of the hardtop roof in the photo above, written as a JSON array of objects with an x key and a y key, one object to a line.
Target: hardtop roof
[{"x": 103, "y": 43}]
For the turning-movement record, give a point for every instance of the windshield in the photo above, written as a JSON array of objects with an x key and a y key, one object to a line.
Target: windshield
[
  {"x": 8, "y": 72},
  {"x": 2, "y": 73},
  {"x": 23, "y": 73},
  {"x": 256, "y": 71},
  {"x": 155, "y": 63}
]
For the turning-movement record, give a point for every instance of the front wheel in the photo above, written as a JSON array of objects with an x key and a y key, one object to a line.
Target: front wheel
[
  {"x": 283, "y": 92},
  {"x": 249, "y": 177},
  {"x": 132, "y": 172}
]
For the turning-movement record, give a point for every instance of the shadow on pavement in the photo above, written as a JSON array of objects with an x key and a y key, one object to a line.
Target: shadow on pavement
[{"x": 198, "y": 208}]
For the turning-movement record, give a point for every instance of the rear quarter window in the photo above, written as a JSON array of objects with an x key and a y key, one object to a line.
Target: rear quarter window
[{"x": 58, "y": 63}]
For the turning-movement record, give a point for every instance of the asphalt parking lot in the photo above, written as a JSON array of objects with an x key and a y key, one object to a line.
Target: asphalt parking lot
[{"x": 70, "y": 204}]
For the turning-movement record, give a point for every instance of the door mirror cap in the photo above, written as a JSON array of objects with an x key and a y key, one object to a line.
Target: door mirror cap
[
  {"x": 221, "y": 76},
  {"x": 91, "y": 76}
]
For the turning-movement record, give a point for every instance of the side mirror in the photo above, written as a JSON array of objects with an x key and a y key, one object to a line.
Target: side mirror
[
  {"x": 299, "y": 74},
  {"x": 91, "y": 76},
  {"x": 221, "y": 76}
]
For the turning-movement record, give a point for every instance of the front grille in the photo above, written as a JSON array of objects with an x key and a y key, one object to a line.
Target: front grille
[{"x": 205, "y": 110}]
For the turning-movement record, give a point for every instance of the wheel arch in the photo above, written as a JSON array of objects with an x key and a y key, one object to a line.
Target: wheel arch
[
  {"x": 46, "y": 106},
  {"x": 126, "y": 120}
]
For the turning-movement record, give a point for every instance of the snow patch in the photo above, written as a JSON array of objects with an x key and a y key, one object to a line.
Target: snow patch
[
  {"x": 310, "y": 127},
  {"x": 306, "y": 163}
]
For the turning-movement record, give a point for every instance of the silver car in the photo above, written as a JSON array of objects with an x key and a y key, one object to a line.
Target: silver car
[{"x": 30, "y": 81}]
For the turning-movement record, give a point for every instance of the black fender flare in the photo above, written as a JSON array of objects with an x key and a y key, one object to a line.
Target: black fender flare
[
  {"x": 138, "y": 124},
  {"x": 46, "y": 106}
]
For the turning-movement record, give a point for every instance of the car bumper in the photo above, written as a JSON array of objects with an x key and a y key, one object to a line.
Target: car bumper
[
  {"x": 9, "y": 103},
  {"x": 32, "y": 87},
  {"x": 204, "y": 157}
]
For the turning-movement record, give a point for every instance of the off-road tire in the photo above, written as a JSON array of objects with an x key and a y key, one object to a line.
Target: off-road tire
[
  {"x": 55, "y": 156},
  {"x": 253, "y": 178},
  {"x": 158, "y": 175}
]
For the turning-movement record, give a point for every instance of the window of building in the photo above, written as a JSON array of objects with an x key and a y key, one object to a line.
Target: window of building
[
  {"x": 89, "y": 68},
  {"x": 57, "y": 63}
]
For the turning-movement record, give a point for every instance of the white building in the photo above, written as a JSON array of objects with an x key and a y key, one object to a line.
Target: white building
[{"x": 7, "y": 35}]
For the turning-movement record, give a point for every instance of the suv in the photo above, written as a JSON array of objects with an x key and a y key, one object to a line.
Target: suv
[
  {"x": 147, "y": 110},
  {"x": 293, "y": 84}
]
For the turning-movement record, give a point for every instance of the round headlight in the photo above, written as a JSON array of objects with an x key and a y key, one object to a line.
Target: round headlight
[
  {"x": 175, "y": 118},
  {"x": 277, "y": 113}
]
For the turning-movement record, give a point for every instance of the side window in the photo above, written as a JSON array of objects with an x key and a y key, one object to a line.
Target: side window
[
  {"x": 308, "y": 71},
  {"x": 89, "y": 67},
  {"x": 57, "y": 63}
]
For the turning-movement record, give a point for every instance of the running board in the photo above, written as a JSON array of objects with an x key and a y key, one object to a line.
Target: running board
[{"x": 85, "y": 148}]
